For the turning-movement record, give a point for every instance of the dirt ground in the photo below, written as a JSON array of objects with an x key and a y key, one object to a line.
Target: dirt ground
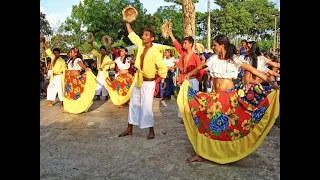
[{"x": 86, "y": 146}]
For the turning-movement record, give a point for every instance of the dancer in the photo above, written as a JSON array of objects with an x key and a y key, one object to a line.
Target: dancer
[
  {"x": 255, "y": 59},
  {"x": 203, "y": 83},
  {"x": 57, "y": 66},
  {"x": 102, "y": 74},
  {"x": 231, "y": 122},
  {"x": 79, "y": 89},
  {"x": 188, "y": 61},
  {"x": 121, "y": 88},
  {"x": 147, "y": 59},
  {"x": 166, "y": 85}
]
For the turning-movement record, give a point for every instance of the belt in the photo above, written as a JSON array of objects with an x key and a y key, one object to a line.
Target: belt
[
  {"x": 148, "y": 79},
  {"x": 54, "y": 74}
]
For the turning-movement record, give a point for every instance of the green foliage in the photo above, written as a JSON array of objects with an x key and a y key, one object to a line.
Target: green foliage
[
  {"x": 168, "y": 12},
  {"x": 223, "y": 3},
  {"x": 105, "y": 18},
  {"x": 44, "y": 25},
  {"x": 265, "y": 45},
  {"x": 179, "y": 2},
  {"x": 250, "y": 18}
]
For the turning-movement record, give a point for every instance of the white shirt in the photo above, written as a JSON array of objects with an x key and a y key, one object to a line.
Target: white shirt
[
  {"x": 224, "y": 68},
  {"x": 261, "y": 63},
  {"x": 169, "y": 62},
  {"x": 122, "y": 65},
  {"x": 75, "y": 65}
]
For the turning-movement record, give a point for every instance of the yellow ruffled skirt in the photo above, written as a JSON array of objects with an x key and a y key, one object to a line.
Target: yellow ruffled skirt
[
  {"x": 121, "y": 88},
  {"x": 78, "y": 91},
  {"x": 226, "y": 126}
]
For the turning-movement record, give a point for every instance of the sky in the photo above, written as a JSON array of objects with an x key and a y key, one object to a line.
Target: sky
[{"x": 58, "y": 10}]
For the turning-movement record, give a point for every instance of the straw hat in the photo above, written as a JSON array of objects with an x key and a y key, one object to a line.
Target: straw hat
[
  {"x": 166, "y": 28},
  {"x": 106, "y": 40},
  {"x": 199, "y": 47},
  {"x": 90, "y": 37},
  {"x": 129, "y": 14}
]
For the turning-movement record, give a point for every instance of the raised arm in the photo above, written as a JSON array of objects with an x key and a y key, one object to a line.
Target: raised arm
[
  {"x": 176, "y": 44},
  {"x": 134, "y": 38},
  {"x": 114, "y": 51},
  {"x": 47, "y": 50}
]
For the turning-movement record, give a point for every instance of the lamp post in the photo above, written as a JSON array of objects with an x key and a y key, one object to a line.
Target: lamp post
[
  {"x": 275, "y": 33},
  {"x": 209, "y": 31}
]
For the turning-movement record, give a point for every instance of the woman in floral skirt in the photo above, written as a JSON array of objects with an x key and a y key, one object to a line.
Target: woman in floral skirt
[
  {"x": 120, "y": 89},
  {"x": 257, "y": 60},
  {"x": 230, "y": 122},
  {"x": 78, "y": 88}
]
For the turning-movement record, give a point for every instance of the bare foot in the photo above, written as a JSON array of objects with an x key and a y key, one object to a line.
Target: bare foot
[
  {"x": 63, "y": 111},
  {"x": 181, "y": 122},
  {"x": 150, "y": 136},
  {"x": 49, "y": 105},
  {"x": 125, "y": 133},
  {"x": 195, "y": 158},
  {"x": 121, "y": 106}
]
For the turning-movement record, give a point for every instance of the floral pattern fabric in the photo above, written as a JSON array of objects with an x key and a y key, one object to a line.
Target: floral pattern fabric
[
  {"x": 229, "y": 115},
  {"x": 121, "y": 84},
  {"x": 74, "y": 85}
]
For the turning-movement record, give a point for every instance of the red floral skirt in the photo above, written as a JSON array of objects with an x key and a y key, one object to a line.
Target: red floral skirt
[
  {"x": 121, "y": 84},
  {"x": 74, "y": 85},
  {"x": 228, "y": 115}
]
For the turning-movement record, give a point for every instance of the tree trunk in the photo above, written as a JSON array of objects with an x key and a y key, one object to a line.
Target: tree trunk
[{"x": 189, "y": 18}]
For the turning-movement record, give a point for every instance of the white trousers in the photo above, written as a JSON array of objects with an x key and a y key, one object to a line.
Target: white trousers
[
  {"x": 55, "y": 87},
  {"x": 49, "y": 74},
  {"x": 101, "y": 85},
  {"x": 140, "y": 106},
  {"x": 195, "y": 86}
]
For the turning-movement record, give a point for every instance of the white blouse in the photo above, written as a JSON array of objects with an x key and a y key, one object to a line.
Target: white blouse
[
  {"x": 261, "y": 63},
  {"x": 75, "y": 65},
  {"x": 122, "y": 65},
  {"x": 224, "y": 68},
  {"x": 169, "y": 62}
]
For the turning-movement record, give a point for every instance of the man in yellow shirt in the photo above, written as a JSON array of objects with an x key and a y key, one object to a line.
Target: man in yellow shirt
[
  {"x": 57, "y": 66},
  {"x": 148, "y": 61},
  {"x": 102, "y": 58}
]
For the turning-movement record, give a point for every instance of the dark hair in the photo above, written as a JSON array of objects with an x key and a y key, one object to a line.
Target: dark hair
[
  {"x": 103, "y": 47},
  {"x": 78, "y": 55},
  {"x": 126, "y": 56},
  {"x": 56, "y": 49},
  {"x": 169, "y": 51},
  {"x": 273, "y": 57},
  {"x": 189, "y": 39},
  {"x": 152, "y": 34},
  {"x": 244, "y": 41},
  {"x": 230, "y": 48},
  {"x": 254, "y": 52}
]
